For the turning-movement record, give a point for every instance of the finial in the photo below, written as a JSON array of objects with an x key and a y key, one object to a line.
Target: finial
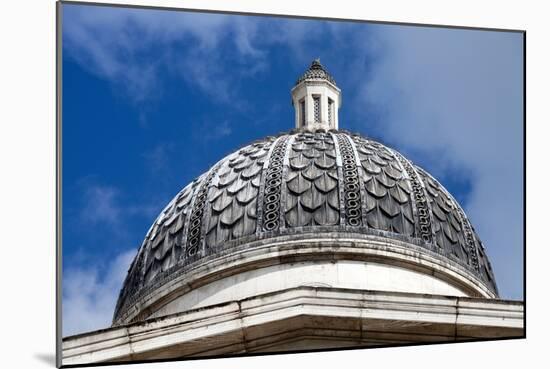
[{"x": 316, "y": 64}]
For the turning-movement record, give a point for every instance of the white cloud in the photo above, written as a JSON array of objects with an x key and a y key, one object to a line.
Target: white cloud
[
  {"x": 90, "y": 284},
  {"x": 456, "y": 96},
  {"x": 90, "y": 294}
]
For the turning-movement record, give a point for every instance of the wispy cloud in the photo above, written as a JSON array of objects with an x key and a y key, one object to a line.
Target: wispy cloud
[
  {"x": 90, "y": 294},
  {"x": 116, "y": 44},
  {"x": 157, "y": 159},
  {"x": 100, "y": 205},
  {"x": 104, "y": 206},
  {"x": 217, "y": 132}
]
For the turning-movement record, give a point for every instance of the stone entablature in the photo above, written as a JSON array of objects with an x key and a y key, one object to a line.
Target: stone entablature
[{"x": 301, "y": 318}]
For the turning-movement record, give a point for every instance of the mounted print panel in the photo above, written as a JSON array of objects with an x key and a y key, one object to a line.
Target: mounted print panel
[{"x": 239, "y": 184}]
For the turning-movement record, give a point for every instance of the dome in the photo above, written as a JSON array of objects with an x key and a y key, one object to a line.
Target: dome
[
  {"x": 304, "y": 184},
  {"x": 314, "y": 201}
]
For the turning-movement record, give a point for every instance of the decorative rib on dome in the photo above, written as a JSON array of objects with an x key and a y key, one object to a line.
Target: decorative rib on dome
[
  {"x": 301, "y": 182},
  {"x": 316, "y": 71}
]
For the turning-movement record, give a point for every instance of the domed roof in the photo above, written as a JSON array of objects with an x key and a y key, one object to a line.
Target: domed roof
[
  {"x": 316, "y": 71},
  {"x": 302, "y": 182}
]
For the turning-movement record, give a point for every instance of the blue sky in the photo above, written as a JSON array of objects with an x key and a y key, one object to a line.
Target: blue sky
[{"x": 151, "y": 99}]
